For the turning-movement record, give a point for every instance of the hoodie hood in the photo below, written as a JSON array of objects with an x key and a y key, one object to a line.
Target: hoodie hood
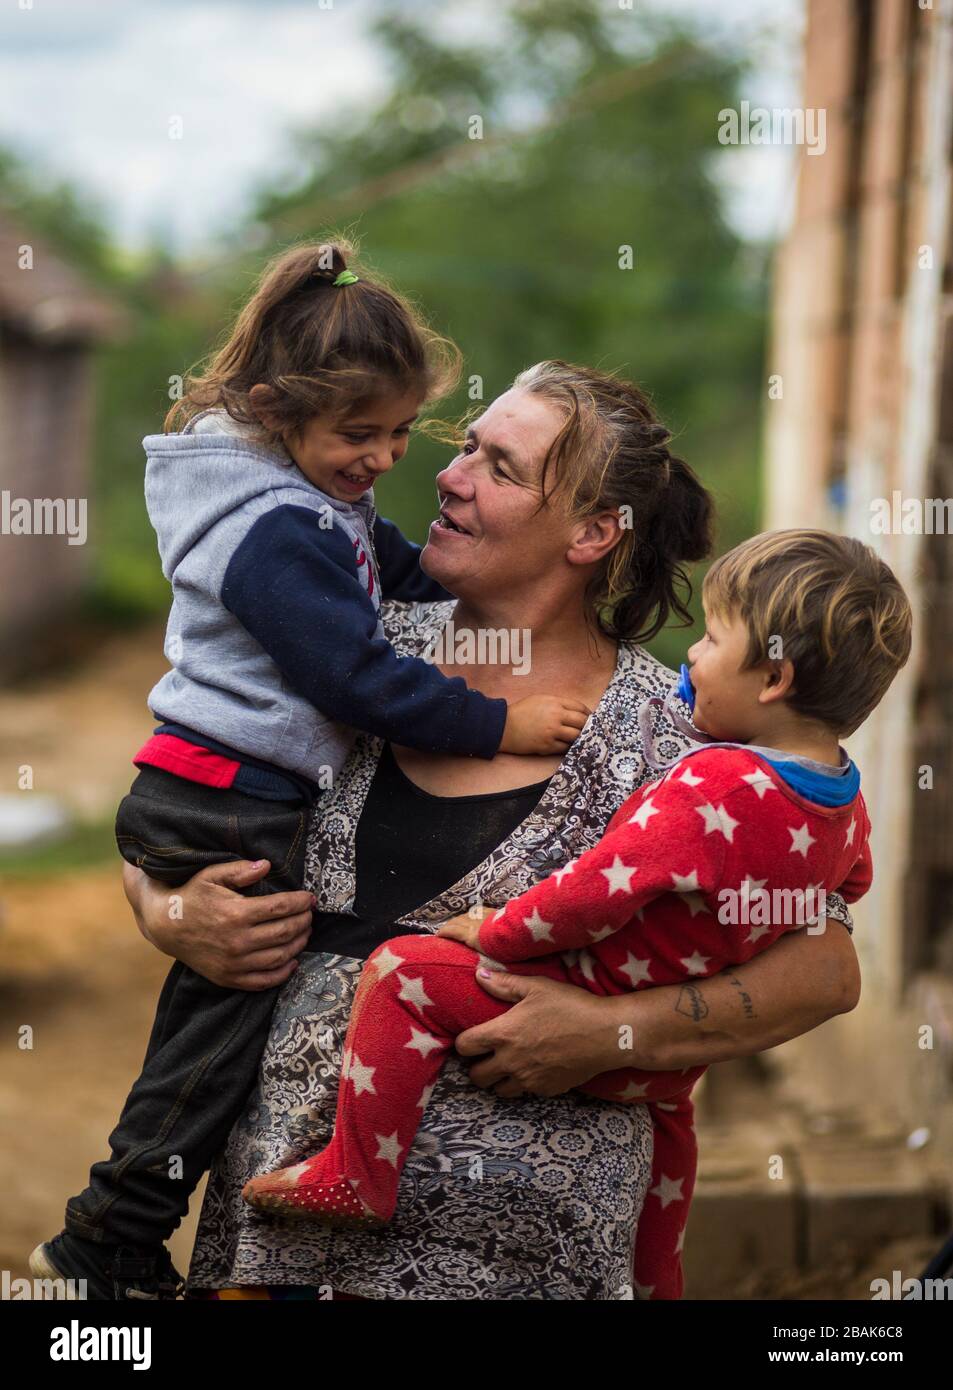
[{"x": 196, "y": 478}]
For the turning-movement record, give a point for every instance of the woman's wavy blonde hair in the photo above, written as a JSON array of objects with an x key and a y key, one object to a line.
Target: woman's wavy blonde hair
[{"x": 612, "y": 454}]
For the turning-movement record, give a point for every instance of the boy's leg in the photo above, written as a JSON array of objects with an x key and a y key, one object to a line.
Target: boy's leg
[
  {"x": 657, "y": 1261},
  {"x": 206, "y": 1042},
  {"x": 415, "y": 995}
]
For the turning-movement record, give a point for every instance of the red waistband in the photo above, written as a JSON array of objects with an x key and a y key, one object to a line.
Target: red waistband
[{"x": 187, "y": 760}]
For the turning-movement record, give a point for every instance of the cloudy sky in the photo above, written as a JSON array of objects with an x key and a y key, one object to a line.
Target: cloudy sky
[{"x": 88, "y": 89}]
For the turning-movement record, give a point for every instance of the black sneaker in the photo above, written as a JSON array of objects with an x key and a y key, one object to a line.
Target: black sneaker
[{"x": 111, "y": 1272}]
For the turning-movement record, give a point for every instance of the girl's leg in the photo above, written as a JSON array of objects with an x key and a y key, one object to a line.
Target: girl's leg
[{"x": 416, "y": 994}]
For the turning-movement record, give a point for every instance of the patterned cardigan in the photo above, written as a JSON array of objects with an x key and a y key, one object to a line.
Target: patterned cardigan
[{"x": 527, "y": 1199}]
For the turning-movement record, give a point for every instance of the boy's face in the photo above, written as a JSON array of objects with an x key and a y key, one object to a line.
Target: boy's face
[
  {"x": 344, "y": 457},
  {"x": 726, "y": 697}
]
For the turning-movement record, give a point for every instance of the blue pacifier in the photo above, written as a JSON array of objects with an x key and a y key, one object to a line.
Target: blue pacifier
[{"x": 685, "y": 689}]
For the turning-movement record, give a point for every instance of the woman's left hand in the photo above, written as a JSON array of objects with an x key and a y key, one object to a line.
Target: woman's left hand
[
  {"x": 556, "y": 1037},
  {"x": 466, "y": 926}
]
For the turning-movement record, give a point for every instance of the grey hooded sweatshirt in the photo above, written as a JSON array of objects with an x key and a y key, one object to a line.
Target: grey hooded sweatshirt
[{"x": 274, "y": 637}]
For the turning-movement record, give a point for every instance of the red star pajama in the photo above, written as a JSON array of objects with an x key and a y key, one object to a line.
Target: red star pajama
[{"x": 646, "y": 906}]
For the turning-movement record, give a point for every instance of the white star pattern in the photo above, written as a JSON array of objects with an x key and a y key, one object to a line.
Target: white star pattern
[
  {"x": 760, "y": 782},
  {"x": 695, "y": 903},
  {"x": 412, "y": 990},
  {"x": 850, "y": 832},
  {"x": 586, "y": 965},
  {"x": 387, "y": 961},
  {"x": 689, "y": 778},
  {"x": 388, "y": 1148},
  {"x": 618, "y": 876},
  {"x": 668, "y": 1190},
  {"x": 801, "y": 840},
  {"x": 685, "y": 883},
  {"x": 695, "y": 963},
  {"x": 680, "y": 1243},
  {"x": 361, "y": 1077},
  {"x": 637, "y": 970},
  {"x": 559, "y": 874},
  {"x": 645, "y": 812},
  {"x": 717, "y": 818},
  {"x": 601, "y": 934},
  {"x": 538, "y": 929},
  {"x": 756, "y": 933},
  {"x": 634, "y": 1091},
  {"x": 420, "y": 1042},
  {"x": 425, "y": 1095}
]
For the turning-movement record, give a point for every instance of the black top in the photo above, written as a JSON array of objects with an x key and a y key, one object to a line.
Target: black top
[{"x": 409, "y": 847}]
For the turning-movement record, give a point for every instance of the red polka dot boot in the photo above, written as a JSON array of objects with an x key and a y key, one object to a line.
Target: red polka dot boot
[{"x": 295, "y": 1192}]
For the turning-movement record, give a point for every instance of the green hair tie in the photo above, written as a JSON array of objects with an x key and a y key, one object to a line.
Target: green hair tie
[{"x": 346, "y": 277}]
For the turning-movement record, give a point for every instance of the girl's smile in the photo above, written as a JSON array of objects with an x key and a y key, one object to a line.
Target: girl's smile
[{"x": 345, "y": 456}]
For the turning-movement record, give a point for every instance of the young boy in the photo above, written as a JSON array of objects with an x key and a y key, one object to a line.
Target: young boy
[{"x": 736, "y": 844}]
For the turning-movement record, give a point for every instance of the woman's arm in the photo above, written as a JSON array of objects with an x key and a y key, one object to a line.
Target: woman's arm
[
  {"x": 235, "y": 941},
  {"x": 559, "y": 1036}
]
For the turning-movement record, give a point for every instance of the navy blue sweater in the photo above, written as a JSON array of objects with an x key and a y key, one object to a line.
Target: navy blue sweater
[{"x": 294, "y": 586}]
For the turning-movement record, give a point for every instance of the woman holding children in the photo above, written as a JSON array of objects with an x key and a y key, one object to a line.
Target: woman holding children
[{"x": 454, "y": 791}]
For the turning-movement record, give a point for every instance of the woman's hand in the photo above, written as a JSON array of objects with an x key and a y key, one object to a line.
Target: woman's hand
[
  {"x": 234, "y": 941},
  {"x": 466, "y": 926},
  {"x": 556, "y": 1037}
]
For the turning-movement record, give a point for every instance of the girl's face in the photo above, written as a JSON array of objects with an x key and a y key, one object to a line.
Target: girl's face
[
  {"x": 344, "y": 457},
  {"x": 727, "y": 703}
]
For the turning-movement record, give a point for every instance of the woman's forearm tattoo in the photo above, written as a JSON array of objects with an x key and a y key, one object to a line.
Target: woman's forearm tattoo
[
  {"x": 746, "y": 1001},
  {"x": 691, "y": 1002}
]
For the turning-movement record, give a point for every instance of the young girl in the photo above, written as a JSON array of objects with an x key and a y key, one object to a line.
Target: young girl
[
  {"x": 269, "y": 536},
  {"x": 684, "y": 882}
]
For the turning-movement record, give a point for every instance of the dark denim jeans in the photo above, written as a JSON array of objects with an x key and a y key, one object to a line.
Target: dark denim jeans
[{"x": 206, "y": 1042}]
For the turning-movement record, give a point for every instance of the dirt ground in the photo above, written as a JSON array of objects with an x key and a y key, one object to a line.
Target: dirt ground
[
  {"x": 73, "y": 967},
  {"x": 77, "y": 973}
]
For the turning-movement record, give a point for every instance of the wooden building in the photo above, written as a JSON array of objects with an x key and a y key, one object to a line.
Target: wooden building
[
  {"x": 50, "y": 322},
  {"x": 863, "y": 346}
]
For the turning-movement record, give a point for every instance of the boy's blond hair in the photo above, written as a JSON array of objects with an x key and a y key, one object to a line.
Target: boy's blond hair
[{"x": 841, "y": 613}]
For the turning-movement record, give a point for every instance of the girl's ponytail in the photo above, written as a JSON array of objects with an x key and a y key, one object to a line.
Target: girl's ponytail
[{"x": 319, "y": 347}]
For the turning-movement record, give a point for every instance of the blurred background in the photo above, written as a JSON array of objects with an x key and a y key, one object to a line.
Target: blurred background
[{"x": 781, "y": 310}]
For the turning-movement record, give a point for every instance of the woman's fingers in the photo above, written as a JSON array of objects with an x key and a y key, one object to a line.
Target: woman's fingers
[
  {"x": 264, "y": 979},
  {"x": 271, "y": 935},
  {"x": 267, "y": 962},
  {"x": 234, "y": 873},
  {"x": 272, "y": 906}
]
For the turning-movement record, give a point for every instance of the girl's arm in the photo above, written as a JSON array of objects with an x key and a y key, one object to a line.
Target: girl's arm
[
  {"x": 558, "y": 1036},
  {"x": 398, "y": 559}
]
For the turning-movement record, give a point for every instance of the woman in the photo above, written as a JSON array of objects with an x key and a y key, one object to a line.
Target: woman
[{"x": 572, "y": 520}]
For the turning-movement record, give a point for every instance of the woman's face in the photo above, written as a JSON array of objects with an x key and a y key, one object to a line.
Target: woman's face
[{"x": 491, "y": 491}]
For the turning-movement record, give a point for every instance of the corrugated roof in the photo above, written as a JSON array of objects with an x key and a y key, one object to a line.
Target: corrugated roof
[{"x": 51, "y": 302}]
